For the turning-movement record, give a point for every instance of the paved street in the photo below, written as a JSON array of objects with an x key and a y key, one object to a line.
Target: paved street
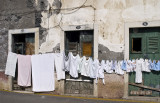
[{"x": 11, "y": 97}]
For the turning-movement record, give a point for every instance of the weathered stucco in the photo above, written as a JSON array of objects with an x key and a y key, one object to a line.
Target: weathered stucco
[
  {"x": 113, "y": 88},
  {"x": 110, "y": 15}
]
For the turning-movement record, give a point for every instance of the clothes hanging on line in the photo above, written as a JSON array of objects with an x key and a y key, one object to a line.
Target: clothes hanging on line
[
  {"x": 59, "y": 64},
  {"x": 24, "y": 70},
  {"x": 43, "y": 72},
  {"x": 11, "y": 64}
]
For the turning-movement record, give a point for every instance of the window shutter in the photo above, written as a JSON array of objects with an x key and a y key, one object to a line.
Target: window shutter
[{"x": 153, "y": 44}]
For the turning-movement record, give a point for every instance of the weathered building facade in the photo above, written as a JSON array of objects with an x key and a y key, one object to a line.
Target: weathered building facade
[{"x": 108, "y": 24}]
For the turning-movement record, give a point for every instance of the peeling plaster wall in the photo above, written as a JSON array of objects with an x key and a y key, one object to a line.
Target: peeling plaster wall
[
  {"x": 14, "y": 14},
  {"x": 110, "y": 16}
]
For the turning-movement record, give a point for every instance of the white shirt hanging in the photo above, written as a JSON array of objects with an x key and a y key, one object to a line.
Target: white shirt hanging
[
  {"x": 108, "y": 67},
  {"x": 118, "y": 70},
  {"x": 101, "y": 71},
  {"x": 96, "y": 68},
  {"x": 73, "y": 63},
  {"x": 59, "y": 64},
  {"x": 145, "y": 66},
  {"x": 138, "y": 78}
]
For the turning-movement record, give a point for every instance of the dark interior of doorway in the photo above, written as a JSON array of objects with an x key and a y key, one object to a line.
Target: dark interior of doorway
[
  {"x": 79, "y": 42},
  {"x": 22, "y": 44}
]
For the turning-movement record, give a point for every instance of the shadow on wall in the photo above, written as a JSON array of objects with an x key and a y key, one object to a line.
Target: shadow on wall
[{"x": 105, "y": 54}]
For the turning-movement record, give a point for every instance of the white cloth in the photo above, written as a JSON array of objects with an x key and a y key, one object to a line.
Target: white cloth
[
  {"x": 11, "y": 64},
  {"x": 138, "y": 78},
  {"x": 92, "y": 69},
  {"x": 24, "y": 70},
  {"x": 95, "y": 65},
  {"x": 133, "y": 64},
  {"x": 82, "y": 66},
  {"x": 59, "y": 64},
  {"x": 118, "y": 70},
  {"x": 129, "y": 66},
  {"x": 66, "y": 60},
  {"x": 101, "y": 70},
  {"x": 108, "y": 67},
  {"x": 43, "y": 72},
  {"x": 79, "y": 60},
  {"x": 73, "y": 63},
  {"x": 87, "y": 67},
  {"x": 145, "y": 66}
]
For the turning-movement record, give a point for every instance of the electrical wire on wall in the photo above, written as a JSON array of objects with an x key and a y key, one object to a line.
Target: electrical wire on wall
[{"x": 71, "y": 10}]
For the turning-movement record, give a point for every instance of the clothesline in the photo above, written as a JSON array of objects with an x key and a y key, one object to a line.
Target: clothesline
[{"x": 43, "y": 68}]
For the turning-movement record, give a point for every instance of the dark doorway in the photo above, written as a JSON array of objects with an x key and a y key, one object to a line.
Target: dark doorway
[{"x": 22, "y": 44}]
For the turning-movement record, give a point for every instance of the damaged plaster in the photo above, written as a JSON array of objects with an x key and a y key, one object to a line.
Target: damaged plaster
[{"x": 105, "y": 54}]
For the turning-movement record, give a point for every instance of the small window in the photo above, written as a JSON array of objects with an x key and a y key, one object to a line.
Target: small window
[{"x": 136, "y": 44}]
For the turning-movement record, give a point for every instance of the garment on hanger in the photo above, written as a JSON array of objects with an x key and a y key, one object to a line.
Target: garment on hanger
[
  {"x": 43, "y": 72},
  {"x": 24, "y": 70},
  {"x": 59, "y": 64},
  {"x": 11, "y": 64}
]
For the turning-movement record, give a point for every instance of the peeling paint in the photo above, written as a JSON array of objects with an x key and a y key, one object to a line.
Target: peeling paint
[{"x": 105, "y": 54}]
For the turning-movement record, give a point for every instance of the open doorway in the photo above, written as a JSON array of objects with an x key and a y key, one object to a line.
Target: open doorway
[
  {"x": 23, "y": 44},
  {"x": 79, "y": 42}
]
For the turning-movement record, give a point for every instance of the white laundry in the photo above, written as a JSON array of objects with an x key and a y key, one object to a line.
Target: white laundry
[
  {"x": 129, "y": 66},
  {"x": 145, "y": 66},
  {"x": 82, "y": 66},
  {"x": 88, "y": 66},
  {"x": 59, "y": 64},
  {"x": 24, "y": 70},
  {"x": 92, "y": 69},
  {"x": 11, "y": 64},
  {"x": 43, "y": 72},
  {"x": 118, "y": 70},
  {"x": 138, "y": 78},
  {"x": 66, "y": 60},
  {"x": 101, "y": 71},
  {"x": 79, "y": 63},
  {"x": 133, "y": 64},
  {"x": 95, "y": 65},
  {"x": 73, "y": 63},
  {"x": 108, "y": 68}
]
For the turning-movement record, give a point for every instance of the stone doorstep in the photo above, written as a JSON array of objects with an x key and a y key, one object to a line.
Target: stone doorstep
[
  {"x": 27, "y": 92},
  {"x": 154, "y": 99}
]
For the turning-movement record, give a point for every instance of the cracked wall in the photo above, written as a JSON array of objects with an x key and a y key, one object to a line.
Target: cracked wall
[{"x": 110, "y": 17}]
